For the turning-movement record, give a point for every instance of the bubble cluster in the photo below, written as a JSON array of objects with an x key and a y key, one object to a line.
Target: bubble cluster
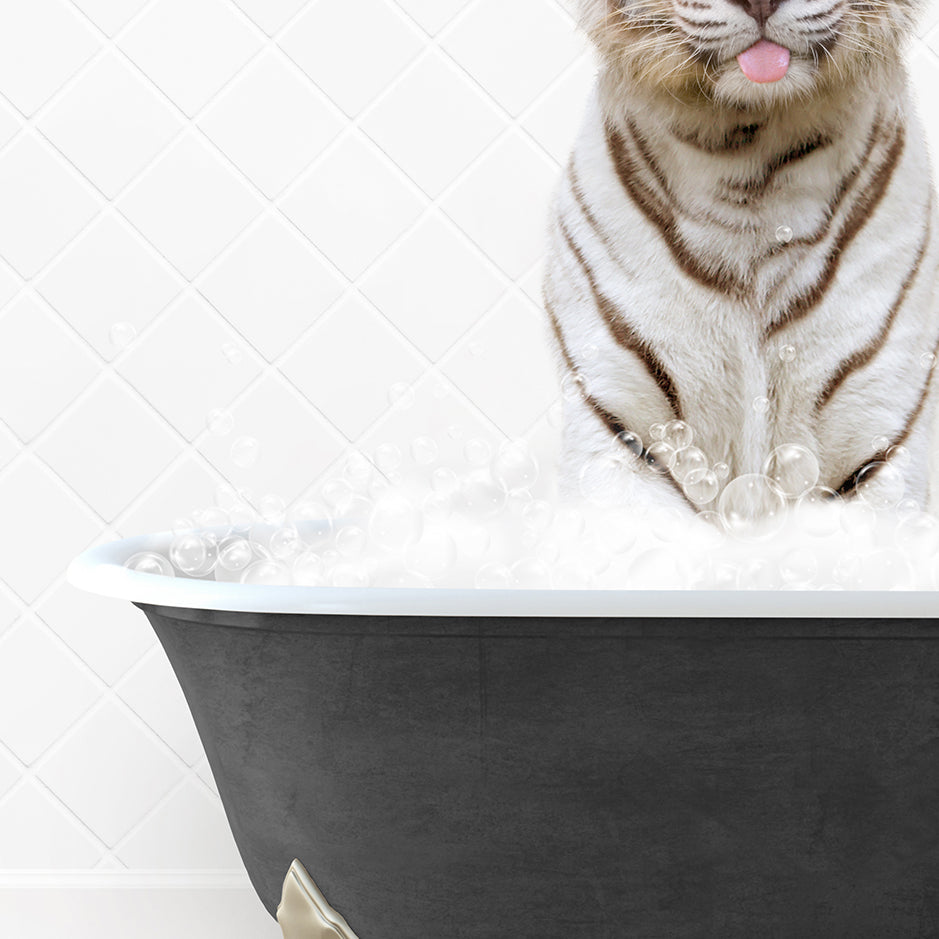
[{"x": 414, "y": 515}]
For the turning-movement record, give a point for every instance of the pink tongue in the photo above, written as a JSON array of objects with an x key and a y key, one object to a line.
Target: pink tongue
[{"x": 764, "y": 61}]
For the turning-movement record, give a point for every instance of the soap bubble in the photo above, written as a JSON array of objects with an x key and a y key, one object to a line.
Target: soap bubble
[
  {"x": 437, "y": 506},
  {"x": 687, "y": 461},
  {"x": 899, "y": 457},
  {"x": 628, "y": 441},
  {"x": 880, "y": 443},
  {"x": 424, "y": 450},
  {"x": 799, "y": 566},
  {"x": 193, "y": 554},
  {"x": 337, "y": 493},
  {"x": 395, "y": 523},
  {"x": 793, "y": 469},
  {"x": 473, "y": 538},
  {"x": 444, "y": 481},
  {"x": 820, "y": 511},
  {"x": 241, "y": 514},
  {"x": 701, "y": 486},
  {"x": 751, "y": 507},
  {"x": 858, "y": 519},
  {"x": 482, "y": 497},
  {"x": 215, "y": 519},
  {"x": 573, "y": 386},
  {"x": 761, "y": 404},
  {"x": 784, "y": 234},
  {"x": 477, "y": 451},
  {"x": 918, "y": 535},
  {"x": 538, "y": 515},
  {"x": 927, "y": 361},
  {"x": 880, "y": 485},
  {"x": 351, "y": 541},
  {"x": 245, "y": 452},
  {"x": 569, "y": 523},
  {"x": 657, "y": 432},
  {"x": 149, "y": 562},
  {"x": 235, "y": 554},
  {"x": 358, "y": 469},
  {"x": 601, "y": 480},
  {"x": 513, "y": 466},
  {"x": 388, "y": 458},
  {"x": 434, "y": 555},
  {"x": 313, "y": 520},
  {"x": 662, "y": 456},
  {"x": 678, "y": 434},
  {"x": 787, "y": 353},
  {"x": 265, "y": 573},
  {"x": 122, "y": 335},
  {"x": 309, "y": 569},
  {"x": 516, "y": 500},
  {"x": 272, "y": 509},
  {"x": 220, "y": 422},
  {"x": 721, "y": 471},
  {"x": 285, "y": 542}
]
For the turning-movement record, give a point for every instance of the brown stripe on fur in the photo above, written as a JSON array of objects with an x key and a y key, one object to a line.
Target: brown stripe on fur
[
  {"x": 675, "y": 204},
  {"x": 844, "y": 187},
  {"x": 737, "y": 138},
  {"x": 848, "y": 487},
  {"x": 613, "y": 424},
  {"x": 757, "y": 185},
  {"x": 592, "y": 221},
  {"x": 622, "y": 332},
  {"x": 860, "y": 212},
  {"x": 664, "y": 220},
  {"x": 860, "y": 358},
  {"x": 699, "y": 23}
]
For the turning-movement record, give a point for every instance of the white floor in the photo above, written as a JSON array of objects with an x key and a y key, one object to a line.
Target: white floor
[{"x": 134, "y": 913}]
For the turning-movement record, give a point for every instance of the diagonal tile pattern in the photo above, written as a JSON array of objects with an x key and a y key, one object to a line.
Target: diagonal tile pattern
[{"x": 287, "y": 208}]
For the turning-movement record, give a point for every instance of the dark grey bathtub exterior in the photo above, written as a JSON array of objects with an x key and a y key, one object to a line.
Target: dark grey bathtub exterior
[{"x": 478, "y": 778}]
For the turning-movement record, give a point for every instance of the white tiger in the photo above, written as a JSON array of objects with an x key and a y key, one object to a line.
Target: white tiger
[{"x": 746, "y": 240}]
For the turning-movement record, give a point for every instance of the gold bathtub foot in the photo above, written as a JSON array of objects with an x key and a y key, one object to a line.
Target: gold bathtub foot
[{"x": 304, "y": 913}]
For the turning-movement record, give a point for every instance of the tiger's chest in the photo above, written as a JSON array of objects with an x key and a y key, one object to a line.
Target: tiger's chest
[{"x": 784, "y": 297}]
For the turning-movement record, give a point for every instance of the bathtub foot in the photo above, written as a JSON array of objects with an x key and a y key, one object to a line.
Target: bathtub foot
[{"x": 304, "y": 913}]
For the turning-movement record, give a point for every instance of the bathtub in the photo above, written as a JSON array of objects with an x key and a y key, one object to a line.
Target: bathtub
[{"x": 463, "y": 764}]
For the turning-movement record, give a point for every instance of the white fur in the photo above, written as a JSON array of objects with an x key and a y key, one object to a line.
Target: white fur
[{"x": 712, "y": 345}]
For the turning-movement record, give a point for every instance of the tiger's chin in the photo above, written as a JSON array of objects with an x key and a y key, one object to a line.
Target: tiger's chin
[
  {"x": 709, "y": 85},
  {"x": 732, "y": 88}
]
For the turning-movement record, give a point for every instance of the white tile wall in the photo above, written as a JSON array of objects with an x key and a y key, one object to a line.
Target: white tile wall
[{"x": 288, "y": 208}]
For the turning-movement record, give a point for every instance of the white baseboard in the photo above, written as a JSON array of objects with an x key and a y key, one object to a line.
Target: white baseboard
[{"x": 117, "y": 905}]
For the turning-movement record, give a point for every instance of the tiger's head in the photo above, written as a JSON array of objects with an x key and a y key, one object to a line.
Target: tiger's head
[{"x": 750, "y": 53}]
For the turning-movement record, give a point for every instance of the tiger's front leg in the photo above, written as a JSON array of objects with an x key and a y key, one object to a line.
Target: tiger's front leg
[{"x": 607, "y": 464}]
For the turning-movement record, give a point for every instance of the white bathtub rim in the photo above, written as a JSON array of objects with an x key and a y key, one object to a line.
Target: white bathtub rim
[{"x": 101, "y": 570}]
